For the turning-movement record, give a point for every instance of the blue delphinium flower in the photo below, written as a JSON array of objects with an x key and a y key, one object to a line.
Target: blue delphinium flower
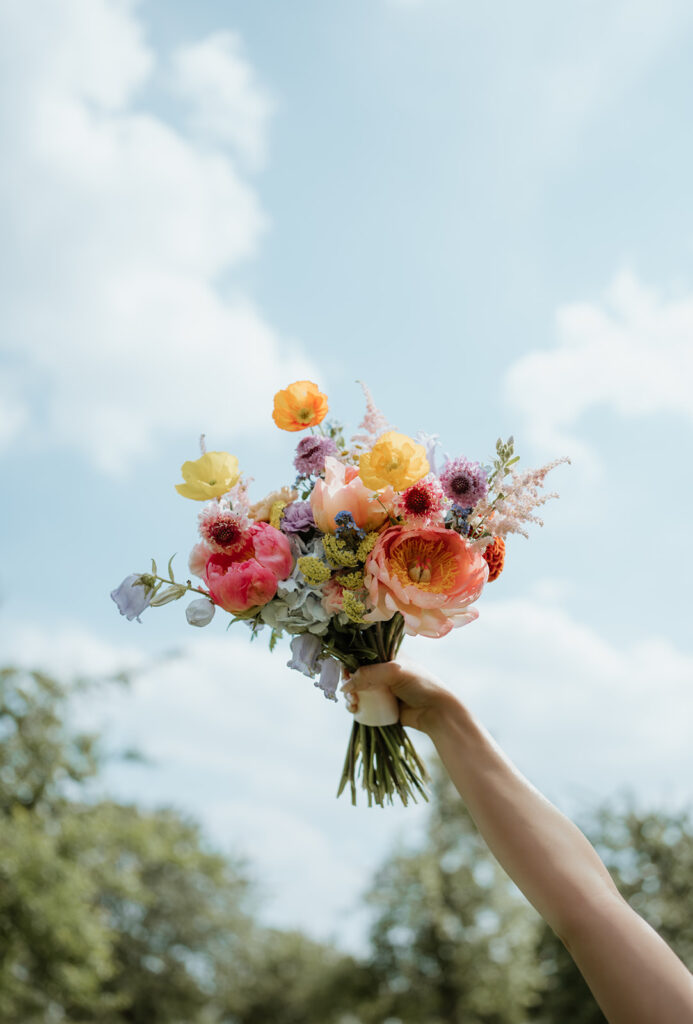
[{"x": 132, "y": 597}]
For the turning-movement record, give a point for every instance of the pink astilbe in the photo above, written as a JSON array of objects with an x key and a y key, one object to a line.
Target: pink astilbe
[
  {"x": 373, "y": 423},
  {"x": 521, "y": 496}
]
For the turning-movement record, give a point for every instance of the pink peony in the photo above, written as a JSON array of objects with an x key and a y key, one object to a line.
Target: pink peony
[
  {"x": 431, "y": 575},
  {"x": 271, "y": 549},
  {"x": 199, "y": 556},
  {"x": 248, "y": 577},
  {"x": 239, "y": 586},
  {"x": 342, "y": 490}
]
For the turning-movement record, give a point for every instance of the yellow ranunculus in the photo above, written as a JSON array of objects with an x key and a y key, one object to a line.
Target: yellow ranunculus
[
  {"x": 395, "y": 460},
  {"x": 210, "y": 476}
]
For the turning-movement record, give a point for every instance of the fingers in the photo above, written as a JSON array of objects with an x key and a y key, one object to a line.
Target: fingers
[{"x": 367, "y": 678}]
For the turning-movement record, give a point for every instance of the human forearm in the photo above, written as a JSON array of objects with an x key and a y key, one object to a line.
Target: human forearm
[{"x": 544, "y": 853}]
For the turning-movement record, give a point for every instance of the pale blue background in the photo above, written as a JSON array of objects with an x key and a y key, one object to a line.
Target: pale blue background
[{"x": 444, "y": 187}]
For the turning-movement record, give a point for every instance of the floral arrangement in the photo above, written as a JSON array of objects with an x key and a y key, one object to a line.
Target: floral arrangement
[{"x": 371, "y": 541}]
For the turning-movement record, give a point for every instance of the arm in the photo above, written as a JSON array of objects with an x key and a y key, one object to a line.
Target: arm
[{"x": 634, "y": 976}]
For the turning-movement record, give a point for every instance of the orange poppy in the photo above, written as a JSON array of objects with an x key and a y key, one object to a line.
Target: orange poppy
[{"x": 300, "y": 405}]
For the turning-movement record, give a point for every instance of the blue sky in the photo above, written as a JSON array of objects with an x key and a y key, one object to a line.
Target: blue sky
[{"x": 482, "y": 212}]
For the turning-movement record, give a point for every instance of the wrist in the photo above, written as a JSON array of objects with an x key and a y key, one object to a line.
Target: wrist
[{"x": 443, "y": 710}]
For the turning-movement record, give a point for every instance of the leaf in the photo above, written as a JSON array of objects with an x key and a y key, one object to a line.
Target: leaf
[
  {"x": 154, "y": 573},
  {"x": 170, "y": 569}
]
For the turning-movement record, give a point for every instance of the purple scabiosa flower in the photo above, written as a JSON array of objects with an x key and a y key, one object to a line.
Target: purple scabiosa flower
[
  {"x": 297, "y": 517},
  {"x": 311, "y": 453},
  {"x": 132, "y": 597},
  {"x": 464, "y": 482}
]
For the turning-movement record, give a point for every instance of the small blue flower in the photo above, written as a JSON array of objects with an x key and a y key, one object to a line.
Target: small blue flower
[
  {"x": 347, "y": 530},
  {"x": 132, "y": 597}
]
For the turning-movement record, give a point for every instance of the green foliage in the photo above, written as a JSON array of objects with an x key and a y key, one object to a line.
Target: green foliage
[
  {"x": 114, "y": 914},
  {"x": 452, "y": 939}
]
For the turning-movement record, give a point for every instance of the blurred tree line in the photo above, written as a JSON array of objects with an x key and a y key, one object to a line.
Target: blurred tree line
[{"x": 114, "y": 915}]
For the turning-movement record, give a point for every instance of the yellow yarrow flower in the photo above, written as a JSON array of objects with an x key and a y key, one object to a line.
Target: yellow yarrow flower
[
  {"x": 366, "y": 546},
  {"x": 352, "y": 580},
  {"x": 395, "y": 460},
  {"x": 276, "y": 513},
  {"x": 338, "y": 553},
  {"x": 210, "y": 476},
  {"x": 354, "y": 608},
  {"x": 314, "y": 570}
]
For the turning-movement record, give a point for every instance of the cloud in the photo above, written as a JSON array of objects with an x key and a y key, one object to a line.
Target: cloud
[
  {"x": 120, "y": 230},
  {"x": 227, "y": 103},
  {"x": 254, "y": 751},
  {"x": 631, "y": 353}
]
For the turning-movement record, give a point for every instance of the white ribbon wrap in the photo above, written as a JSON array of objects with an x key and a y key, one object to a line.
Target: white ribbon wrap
[{"x": 377, "y": 707}]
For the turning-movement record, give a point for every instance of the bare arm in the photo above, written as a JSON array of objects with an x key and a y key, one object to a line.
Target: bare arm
[{"x": 634, "y": 976}]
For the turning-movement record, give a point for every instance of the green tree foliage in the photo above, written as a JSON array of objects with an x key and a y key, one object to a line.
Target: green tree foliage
[
  {"x": 112, "y": 914},
  {"x": 650, "y": 857},
  {"x": 452, "y": 940},
  {"x": 116, "y": 915}
]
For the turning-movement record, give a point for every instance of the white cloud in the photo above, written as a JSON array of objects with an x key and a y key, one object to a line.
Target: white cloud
[
  {"x": 632, "y": 353},
  {"x": 254, "y": 751},
  {"x": 120, "y": 228},
  {"x": 228, "y": 104}
]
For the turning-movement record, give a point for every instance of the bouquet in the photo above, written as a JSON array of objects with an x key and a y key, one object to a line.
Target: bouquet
[{"x": 371, "y": 541}]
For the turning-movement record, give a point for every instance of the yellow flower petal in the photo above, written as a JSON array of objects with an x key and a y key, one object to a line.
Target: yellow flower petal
[
  {"x": 395, "y": 460},
  {"x": 210, "y": 476}
]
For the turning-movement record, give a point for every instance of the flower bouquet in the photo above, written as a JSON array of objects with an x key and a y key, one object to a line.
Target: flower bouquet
[{"x": 370, "y": 542}]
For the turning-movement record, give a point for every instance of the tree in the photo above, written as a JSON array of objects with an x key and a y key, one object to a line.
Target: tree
[
  {"x": 114, "y": 914},
  {"x": 452, "y": 940}
]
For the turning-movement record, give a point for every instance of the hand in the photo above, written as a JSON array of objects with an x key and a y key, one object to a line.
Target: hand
[{"x": 420, "y": 694}]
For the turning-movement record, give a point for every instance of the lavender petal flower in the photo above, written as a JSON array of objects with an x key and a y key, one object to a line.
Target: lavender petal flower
[
  {"x": 330, "y": 673},
  {"x": 298, "y": 516},
  {"x": 306, "y": 650},
  {"x": 132, "y": 597}
]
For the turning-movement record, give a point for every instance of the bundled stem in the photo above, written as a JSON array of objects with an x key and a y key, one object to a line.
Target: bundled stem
[{"x": 383, "y": 757}]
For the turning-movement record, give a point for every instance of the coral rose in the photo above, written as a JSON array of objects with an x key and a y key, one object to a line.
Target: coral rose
[
  {"x": 342, "y": 490},
  {"x": 393, "y": 460},
  {"x": 300, "y": 405},
  {"x": 431, "y": 575},
  {"x": 239, "y": 586}
]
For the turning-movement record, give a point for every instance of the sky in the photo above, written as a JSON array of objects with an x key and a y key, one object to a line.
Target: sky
[{"x": 480, "y": 210}]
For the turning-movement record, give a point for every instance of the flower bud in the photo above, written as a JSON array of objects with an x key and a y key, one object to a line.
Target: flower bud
[{"x": 200, "y": 612}]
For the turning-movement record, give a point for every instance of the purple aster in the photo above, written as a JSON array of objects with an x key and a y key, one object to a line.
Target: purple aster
[
  {"x": 297, "y": 517},
  {"x": 311, "y": 453},
  {"x": 464, "y": 482}
]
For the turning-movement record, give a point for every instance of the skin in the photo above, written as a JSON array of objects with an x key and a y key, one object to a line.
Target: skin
[{"x": 634, "y": 976}]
